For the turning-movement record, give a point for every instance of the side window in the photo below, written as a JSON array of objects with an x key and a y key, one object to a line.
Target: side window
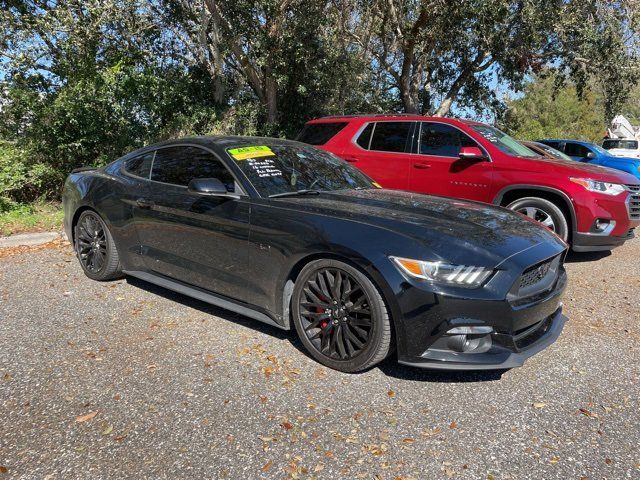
[
  {"x": 365, "y": 137},
  {"x": 180, "y": 165},
  {"x": 391, "y": 136},
  {"x": 139, "y": 166},
  {"x": 575, "y": 150},
  {"x": 320, "y": 133},
  {"x": 443, "y": 140}
]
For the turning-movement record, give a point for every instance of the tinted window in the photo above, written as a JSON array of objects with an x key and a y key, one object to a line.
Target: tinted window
[
  {"x": 575, "y": 150},
  {"x": 180, "y": 165},
  {"x": 365, "y": 136},
  {"x": 391, "y": 136},
  {"x": 319, "y": 133},
  {"x": 443, "y": 140},
  {"x": 139, "y": 166}
]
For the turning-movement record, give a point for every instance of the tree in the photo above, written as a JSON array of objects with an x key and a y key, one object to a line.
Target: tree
[
  {"x": 544, "y": 111},
  {"x": 436, "y": 53}
]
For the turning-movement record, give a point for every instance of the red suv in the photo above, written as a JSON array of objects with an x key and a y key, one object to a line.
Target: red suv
[{"x": 593, "y": 208}]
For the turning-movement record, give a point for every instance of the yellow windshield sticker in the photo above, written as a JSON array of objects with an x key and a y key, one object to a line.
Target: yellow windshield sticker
[
  {"x": 243, "y": 153},
  {"x": 377, "y": 185}
]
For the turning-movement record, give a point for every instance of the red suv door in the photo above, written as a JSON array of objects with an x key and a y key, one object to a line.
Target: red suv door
[
  {"x": 381, "y": 150},
  {"x": 436, "y": 167}
]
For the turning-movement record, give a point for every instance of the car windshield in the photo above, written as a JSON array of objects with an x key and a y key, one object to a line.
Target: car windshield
[
  {"x": 599, "y": 149},
  {"x": 553, "y": 152},
  {"x": 504, "y": 142},
  {"x": 282, "y": 169},
  {"x": 617, "y": 143}
]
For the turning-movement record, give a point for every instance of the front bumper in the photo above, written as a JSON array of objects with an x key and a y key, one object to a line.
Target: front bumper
[
  {"x": 589, "y": 242},
  {"x": 504, "y": 354}
]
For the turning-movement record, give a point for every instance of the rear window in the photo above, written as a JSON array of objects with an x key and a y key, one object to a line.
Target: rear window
[
  {"x": 320, "y": 133},
  {"x": 390, "y": 136},
  {"x": 617, "y": 143}
]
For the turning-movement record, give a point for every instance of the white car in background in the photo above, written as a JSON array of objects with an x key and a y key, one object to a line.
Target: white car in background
[{"x": 622, "y": 147}]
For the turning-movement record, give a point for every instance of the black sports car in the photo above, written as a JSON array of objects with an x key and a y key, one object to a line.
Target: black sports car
[{"x": 293, "y": 236}]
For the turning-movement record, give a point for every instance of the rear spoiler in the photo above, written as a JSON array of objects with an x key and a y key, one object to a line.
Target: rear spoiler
[{"x": 83, "y": 169}]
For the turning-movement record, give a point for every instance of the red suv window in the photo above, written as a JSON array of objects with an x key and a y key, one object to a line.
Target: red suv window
[
  {"x": 391, "y": 136},
  {"x": 320, "y": 133}
]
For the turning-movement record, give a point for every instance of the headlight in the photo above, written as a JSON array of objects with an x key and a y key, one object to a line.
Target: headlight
[
  {"x": 600, "y": 187},
  {"x": 445, "y": 273}
]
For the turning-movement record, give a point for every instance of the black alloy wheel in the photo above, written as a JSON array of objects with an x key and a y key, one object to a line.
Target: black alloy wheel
[
  {"x": 95, "y": 248},
  {"x": 340, "y": 316}
]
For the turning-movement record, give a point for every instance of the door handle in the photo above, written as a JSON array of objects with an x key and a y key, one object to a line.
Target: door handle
[
  {"x": 142, "y": 203},
  {"x": 421, "y": 166}
]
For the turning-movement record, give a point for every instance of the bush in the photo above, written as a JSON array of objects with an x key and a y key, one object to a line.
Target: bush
[{"x": 21, "y": 181}]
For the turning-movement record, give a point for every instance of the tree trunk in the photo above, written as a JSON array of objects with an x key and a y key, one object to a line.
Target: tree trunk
[{"x": 271, "y": 98}]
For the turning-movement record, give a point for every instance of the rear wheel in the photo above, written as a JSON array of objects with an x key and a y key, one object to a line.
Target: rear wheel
[
  {"x": 545, "y": 212},
  {"x": 340, "y": 316},
  {"x": 95, "y": 248}
]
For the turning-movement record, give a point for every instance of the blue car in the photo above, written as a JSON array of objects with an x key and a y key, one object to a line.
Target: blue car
[{"x": 594, "y": 154}]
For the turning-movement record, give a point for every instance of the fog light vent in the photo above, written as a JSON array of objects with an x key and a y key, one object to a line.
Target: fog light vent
[{"x": 471, "y": 330}]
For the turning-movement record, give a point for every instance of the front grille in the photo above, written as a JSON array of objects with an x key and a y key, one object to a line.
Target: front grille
[
  {"x": 534, "y": 274},
  {"x": 633, "y": 202},
  {"x": 537, "y": 280}
]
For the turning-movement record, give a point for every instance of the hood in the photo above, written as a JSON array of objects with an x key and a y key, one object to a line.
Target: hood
[
  {"x": 572, "y": 168},
  {"x": 451, "y": 229}
]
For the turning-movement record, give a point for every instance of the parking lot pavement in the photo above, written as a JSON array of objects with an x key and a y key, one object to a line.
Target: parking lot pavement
[{"x": 123, "y": 379}]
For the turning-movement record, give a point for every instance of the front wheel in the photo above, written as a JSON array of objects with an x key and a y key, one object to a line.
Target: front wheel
[
  {"x": 95, "y": 248},
  {"x": 545, "y": 212},
  {"x": 340, "y": 316}
]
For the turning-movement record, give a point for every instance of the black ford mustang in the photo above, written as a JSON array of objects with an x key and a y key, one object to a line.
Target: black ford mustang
[{"x": 293, "y": 236}]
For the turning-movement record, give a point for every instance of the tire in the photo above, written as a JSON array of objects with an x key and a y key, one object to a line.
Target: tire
[
  {"x": 545, "y": 212},
  {"x": 95, "y": 248},
  {"x": 338, "y": 330}
]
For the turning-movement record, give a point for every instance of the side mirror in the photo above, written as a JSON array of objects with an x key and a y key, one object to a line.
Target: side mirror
[
  {"x": 209, "y": 186},
  {"x": 472, "y": 153},
  {"x": 591, "y": 155}
]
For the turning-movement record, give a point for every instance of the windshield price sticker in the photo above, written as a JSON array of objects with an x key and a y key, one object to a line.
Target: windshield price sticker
[
  {"x": 265, "y": 168},
  {"x": 257, "y": 151}
]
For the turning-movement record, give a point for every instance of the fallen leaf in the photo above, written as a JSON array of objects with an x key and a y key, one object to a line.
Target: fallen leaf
[
  {"x": 408, "y": 440},
  {"x": 318, "y": 467},
  {"x": 391, "y": 393},
  {"x": 587, "y": 413},
  {"x": 107, "y": 430},
  {"x": 267, "y": 466},
  {"x": 554, "y": 460},
  {"x": 608, "y": 461},
  {"x": 539, "y": 405},
  {"x": 3, "y": 469},
  {"x": 453, "y": 425},
  {"x": 88, "y": 416},
  {"x": 286, "y": 425}
]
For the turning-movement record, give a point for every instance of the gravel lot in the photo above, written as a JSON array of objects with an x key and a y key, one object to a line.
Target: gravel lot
[{"x": 126, "y": 380}]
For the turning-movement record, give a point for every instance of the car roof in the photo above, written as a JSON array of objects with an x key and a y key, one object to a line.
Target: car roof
[
  {"x": 226, "y": 141},
  {"x": 579, "y": 142},
  {"x": 389, "y": 116}
]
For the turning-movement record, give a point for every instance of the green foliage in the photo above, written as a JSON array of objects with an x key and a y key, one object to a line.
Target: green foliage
[
  {"x": 81, "y": 83},
  {"x": 546, "y": 112},
  {"x": 22, "y": 180},
  {"x": 39, "y": 216}
]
